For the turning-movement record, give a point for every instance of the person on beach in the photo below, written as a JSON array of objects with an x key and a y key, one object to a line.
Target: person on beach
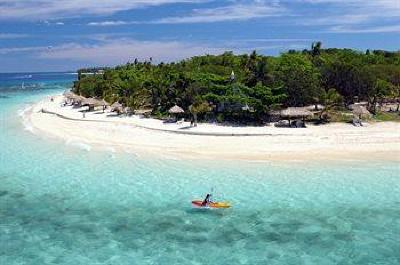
[{"x": 207, "y": 200}]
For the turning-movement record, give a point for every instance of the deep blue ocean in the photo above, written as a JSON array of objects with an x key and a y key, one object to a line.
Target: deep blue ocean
[{"x": 61, "y": 204}]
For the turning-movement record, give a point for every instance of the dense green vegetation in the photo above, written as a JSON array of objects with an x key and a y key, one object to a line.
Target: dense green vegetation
[{"x": 206, "y": 86}]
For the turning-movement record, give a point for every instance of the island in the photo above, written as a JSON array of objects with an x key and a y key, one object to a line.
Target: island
[{"x": 310, "y": 104}]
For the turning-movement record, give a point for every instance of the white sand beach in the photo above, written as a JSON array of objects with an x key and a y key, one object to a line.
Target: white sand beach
[{"x": 336, "y": 141}]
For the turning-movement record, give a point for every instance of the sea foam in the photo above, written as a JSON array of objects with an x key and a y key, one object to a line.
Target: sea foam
[
  {"x": 24, "y": 114},
  {"x": 78, "y": 144}
]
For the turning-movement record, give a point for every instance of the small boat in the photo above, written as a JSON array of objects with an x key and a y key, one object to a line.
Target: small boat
[{"x": 216, "y": 205}]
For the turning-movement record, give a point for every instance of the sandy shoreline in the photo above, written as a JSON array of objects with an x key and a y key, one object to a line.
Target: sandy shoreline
[{"x": 153, "y": 137}]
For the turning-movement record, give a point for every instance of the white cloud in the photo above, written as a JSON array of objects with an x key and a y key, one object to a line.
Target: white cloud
[
  {"x": 50, "y": 9},
  {"x": 23, "y": 49},
  {"x": 343, "y": 19},
  {"x": 355, "y": 11},
  {"x": 4, "y": 36},
  {"x": 120, "y": 51},
  {"x": 275, "y": 40},
  {"x": 237, "y": 11},
  {"x": 381, "y": 29},
  {"x": 391, "y": 4},
  {"x": 49, "y": 23},
  {"x": 332, "y": 13},
  {"x": 109, "y": 23},
  {"x": 350, "y": 16}
]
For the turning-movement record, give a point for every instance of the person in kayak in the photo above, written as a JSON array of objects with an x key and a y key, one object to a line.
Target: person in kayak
[{"x": 207, "y": 200}]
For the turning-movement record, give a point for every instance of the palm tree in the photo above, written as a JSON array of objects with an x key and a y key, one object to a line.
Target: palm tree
[
  {"x": 316, "y": 48},
  {"x": 330, "y": 99},
  {"x": 197, "y": 108}
]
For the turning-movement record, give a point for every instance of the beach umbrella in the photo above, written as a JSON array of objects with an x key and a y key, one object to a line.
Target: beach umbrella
[{"x": 176, "y": 110}]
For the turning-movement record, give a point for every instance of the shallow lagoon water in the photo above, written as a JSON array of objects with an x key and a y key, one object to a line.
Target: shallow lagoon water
[{"x": 63, "y": 203}]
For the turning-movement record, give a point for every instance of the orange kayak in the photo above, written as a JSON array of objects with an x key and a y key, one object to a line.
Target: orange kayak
[{"x": 217, "y": 205}]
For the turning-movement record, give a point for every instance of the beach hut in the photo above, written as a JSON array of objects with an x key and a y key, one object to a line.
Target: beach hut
[
  {"x": 175, "y": 111},
  {"x": 117, "y": 107},
  {"x": 91, "y": 103},
  {"x": 103, "y": 104},
  {"x": 128, "y": 111},
  {"x": 77, "y": 100},
  {"x": 68, "y": 94},
  {"x": 295, "y": 113},
  {"x": 68, "y": 97}
]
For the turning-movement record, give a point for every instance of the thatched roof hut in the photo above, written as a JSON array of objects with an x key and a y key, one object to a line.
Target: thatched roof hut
[
  {"x": 104, "y": 103},
  {"x": 69, "y": 94},
  {"x": 128, "y": 110},
  {"x": 77, "y": 99},
  {"x": 90, "y": 102},
  {"x": 176, "y": 110},
  {"x": 295, "y": 112},
  {"x": 117, "y": 107}
]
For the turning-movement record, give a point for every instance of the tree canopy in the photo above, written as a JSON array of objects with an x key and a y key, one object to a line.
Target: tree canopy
[{"x": 248, "y": 86}]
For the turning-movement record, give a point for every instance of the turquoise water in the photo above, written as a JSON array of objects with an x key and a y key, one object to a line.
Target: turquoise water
[{"x": 62, "y": 204}]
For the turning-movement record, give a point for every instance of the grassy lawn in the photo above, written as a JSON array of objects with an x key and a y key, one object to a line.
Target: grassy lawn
[
  {"x": 387, "y": 116},
  {"x": 347, "y": 116},
  {"x": 339, "y": 116}
]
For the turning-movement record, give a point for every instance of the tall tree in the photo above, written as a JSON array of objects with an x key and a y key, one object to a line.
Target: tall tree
[{"x": 300, "y": 79}]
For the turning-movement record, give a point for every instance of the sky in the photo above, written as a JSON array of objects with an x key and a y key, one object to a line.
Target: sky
[{"x": 64, "y": 35}]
